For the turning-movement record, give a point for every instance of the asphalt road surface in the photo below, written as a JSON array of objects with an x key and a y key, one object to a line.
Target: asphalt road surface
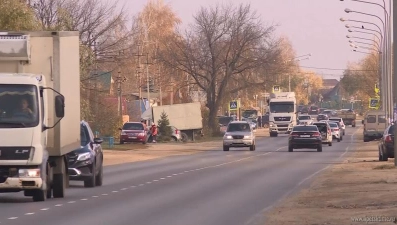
[{"x": 213, "y": 187}]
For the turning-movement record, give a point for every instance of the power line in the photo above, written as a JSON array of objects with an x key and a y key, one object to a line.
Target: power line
[{"x": 309, "y": 67}]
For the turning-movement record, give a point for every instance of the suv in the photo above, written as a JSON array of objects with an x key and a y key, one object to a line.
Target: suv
[
  {"x": 341, "y": 123},
  {"x": 325, "y": 131},
  {"x": 86, "y": 163},
  {"x": 239, "y": 134},
  {"x": 133, "y": 132}
]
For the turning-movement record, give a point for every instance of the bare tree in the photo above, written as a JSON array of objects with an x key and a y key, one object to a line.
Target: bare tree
[{"x": 221, "y": 50}]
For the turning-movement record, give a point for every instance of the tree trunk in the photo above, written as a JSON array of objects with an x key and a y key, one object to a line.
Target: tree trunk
[{"x": 212, "y": 121}]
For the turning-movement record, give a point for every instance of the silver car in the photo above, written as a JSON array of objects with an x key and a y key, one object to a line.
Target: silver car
[
  {"x": 239, "y": 134},
  {"x": 336, "y": 132}
]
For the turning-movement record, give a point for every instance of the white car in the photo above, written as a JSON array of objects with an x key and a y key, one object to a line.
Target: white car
[
  {"x": 342, "y": 124},
  {"x": 336, "y": 132},
  {"x": 305, "y": 120},
  {"x": 239, "y": 134}
]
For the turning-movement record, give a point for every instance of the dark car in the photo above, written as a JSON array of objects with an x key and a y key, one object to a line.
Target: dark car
[
  {"x": 86, "y": 163},
  {"x": 305, "y": 136},
  {"x": 133, "y": 132},
  {"x": 314, "y": 110},
  {"x": 322, "y": 117},
  {"x": 386, "y": 144}
]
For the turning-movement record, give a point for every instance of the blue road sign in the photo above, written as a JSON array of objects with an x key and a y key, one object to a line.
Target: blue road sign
[{"x": 233, "y": 105}]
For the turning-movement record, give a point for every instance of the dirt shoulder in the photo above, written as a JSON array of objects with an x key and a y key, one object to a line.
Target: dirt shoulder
[
  {"x": 359, "y": 188},
  {"x": 137, "y": 152}
]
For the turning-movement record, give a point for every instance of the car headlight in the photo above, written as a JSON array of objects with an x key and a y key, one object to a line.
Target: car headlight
[
  {"x": 247, "y": 137},
  {"x": 84, "y": 156},
  {"x": 123, "y": 133},
  {"x": 228, "y": 137},
  {"x": 29, "y": 173}
]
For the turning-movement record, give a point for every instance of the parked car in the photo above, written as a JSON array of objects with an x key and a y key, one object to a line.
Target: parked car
[
  {"x": 322, "y": 117},
  {"x": 86, "y": 163},
  {"x": 374, "y": 125},
  {"x": 325, "y": 131},
  {"x": 386, "y": 144},
  {"x": 176, "y": 135},
  {"x": 336, "y": 132},
  {"x": 239, "y": 134},
  {"x": 305, "y": 136},
  {"x": 341, "y": 123},
  {"x": 133, "y": 132}
]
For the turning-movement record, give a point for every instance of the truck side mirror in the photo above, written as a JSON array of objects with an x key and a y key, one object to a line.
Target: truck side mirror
[{"x": 60, "y": 106}]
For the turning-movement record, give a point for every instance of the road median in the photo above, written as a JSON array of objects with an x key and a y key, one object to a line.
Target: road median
[{"x": 359, "y": 190}]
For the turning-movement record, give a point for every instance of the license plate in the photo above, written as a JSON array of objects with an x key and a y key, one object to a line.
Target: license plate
[
  {"x": 238, "y": 141},
  {"x": 305, "y": 136},
  {"x": 133, "y": 137}
]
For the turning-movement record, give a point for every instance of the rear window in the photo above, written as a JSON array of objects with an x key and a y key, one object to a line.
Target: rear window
[
  {"x": 382, "y": 119},
  {"x": 133, "y": 126},
  {"x": 305, "y": 128},
  {"x": 321, "y": 126},
  {"x": 333, "y": 125},
  {"x": 304, "y": 117},
  {"x": 371, "y": 119},
  {"x": 238, "y": 127}
]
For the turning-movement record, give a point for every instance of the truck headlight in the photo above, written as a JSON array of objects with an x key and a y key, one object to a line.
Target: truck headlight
[
  {"x": 84, "y": 156},
  {"x": 29, "y": 173},
  {"x": 247, "y": 137},
  {"x": 228, "y": 137}
]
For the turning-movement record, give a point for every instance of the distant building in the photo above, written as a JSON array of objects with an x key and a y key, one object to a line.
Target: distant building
[{"x": 330, "y": 90}]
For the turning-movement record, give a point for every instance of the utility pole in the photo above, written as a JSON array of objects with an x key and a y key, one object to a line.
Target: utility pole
[
  {"x": 394, "y": 74},
  {"x": 147, "y": 78},
  {"x": 289, "y": 82},
  {"x": 119, "y": 104},
  {"x": 139, "y": 54}
]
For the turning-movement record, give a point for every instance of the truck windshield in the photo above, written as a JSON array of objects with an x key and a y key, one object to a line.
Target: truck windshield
[
  {"x": 281, "y": 107},
  {"x": 18, "y": 106}
]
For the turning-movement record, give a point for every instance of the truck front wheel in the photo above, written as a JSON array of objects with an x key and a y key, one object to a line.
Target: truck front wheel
[{"x": 60, "y": 178}]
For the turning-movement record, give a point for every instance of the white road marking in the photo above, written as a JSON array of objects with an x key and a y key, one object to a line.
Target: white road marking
[
  {"x": 28, "y": 214},
  {"x": 123, "y": 189},
  {"x": 141, "y": 184},
  {"x": 13, "y": 218},
  {"x": 149, "y": 182},
  {"x": 132, "y": 186},
  {"x": 44, "y": 209},
  {"x": 72, "y": 202},
  {"x": 162, "y": 178},
  {"x": 59, "y": 205},
  {"x": 83, "y": 199},
  {"x": 169, "y": 176},
  {"x": 114, "y": 191},
  {"x": 155, "y": 180},
  {"x": 105, "y": 194},
  {"x": 175, "y": 174},
  {"x": 95, "y": 196}
]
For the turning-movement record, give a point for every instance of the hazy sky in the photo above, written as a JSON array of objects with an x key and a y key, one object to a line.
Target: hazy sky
[{"x": 313, "y": 26}]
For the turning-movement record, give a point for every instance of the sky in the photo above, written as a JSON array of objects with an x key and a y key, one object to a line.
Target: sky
[{"x": 312, "y": 26}]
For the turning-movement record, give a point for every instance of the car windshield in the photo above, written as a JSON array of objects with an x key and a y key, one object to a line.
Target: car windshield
[
  {"x": 84, "y": 137},
  {"x": 18, "y": 106},
  {"x": 133, "y": 126},
  {"x": 233, "y": 127},
  {"x": 304, "y": 117},
  {"x": 304, "y": 128},
  {"x": 281, "y": 107}
]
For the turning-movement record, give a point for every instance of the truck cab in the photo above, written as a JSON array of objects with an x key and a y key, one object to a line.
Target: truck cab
[{"x": 282, "y": 113}]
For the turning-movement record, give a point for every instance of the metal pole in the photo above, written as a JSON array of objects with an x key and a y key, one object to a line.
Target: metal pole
[
  {"x": 147, "y": 78},
  {"x": 119, "y": 94},
  {"x": 289, "y": 82},
  {"x": 394, "y": 13}
]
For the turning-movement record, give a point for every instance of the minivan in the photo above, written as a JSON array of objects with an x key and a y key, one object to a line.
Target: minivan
[{"x": 374, "y": 125}]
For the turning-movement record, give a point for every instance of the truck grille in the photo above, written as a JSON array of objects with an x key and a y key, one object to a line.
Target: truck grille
[
  {"x": 238, "y": 136},
  {"x": 15, "y": 153},
  {"x": 282, "y": 118},
  {"x": 282, "y": 125}
]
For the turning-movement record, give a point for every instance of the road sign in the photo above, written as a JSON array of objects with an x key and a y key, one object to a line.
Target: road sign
[
  {"x": 276, "y": 88},
  {"x": 373, "y": 103},
  {"x": 377, "y": 90},
  {"x": 352, "y": 100},
  {"x": 233, "y": 105}
]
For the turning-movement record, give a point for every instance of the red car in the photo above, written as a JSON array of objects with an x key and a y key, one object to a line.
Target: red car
[{"x": 133, "y": 132}]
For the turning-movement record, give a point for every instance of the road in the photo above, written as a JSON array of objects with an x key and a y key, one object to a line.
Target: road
[{"x": 213, "y": 187}]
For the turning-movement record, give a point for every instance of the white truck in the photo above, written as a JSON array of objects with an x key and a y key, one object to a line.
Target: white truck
[
  {"x": 282, "y": 113},
  {"x": 36, "y": 129},
  {"x": 186, "y": 117}
]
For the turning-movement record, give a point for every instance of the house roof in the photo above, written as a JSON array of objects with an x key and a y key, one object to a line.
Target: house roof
[{"x": 330, "y": 82}]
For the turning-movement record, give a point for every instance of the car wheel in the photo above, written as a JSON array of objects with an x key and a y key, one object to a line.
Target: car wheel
[
  {"x": 174, "y": 139},
  {"x": 99, "y": 177},
  {"x": 121, "y": 142},
  {"x": 319, "y": 148},
  {"x": 225, "y": 148},
  {"x": 382, "y": 157},
  {"x": 90, "y": 181},
  {"x": 330, "y": 143},
  {"x": 338, "y": 139},
  {"x": 290, "y": 148},
  {"x": 366, "y": 139},
  {"x": 252, "y": 147}
]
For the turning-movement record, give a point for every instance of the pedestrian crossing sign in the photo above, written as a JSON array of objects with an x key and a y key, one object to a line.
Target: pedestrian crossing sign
[
  {"x": 233, "y": 105},
  {"x": 374, "y": 103},
  {"x": 276, "y": 88}
]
